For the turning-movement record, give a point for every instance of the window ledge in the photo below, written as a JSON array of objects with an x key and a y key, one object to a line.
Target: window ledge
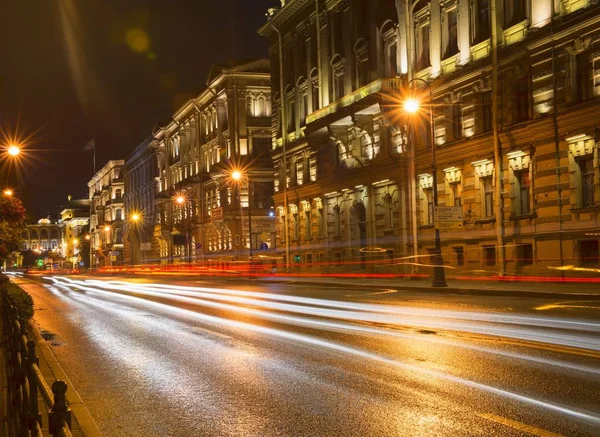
[
  {"x": 426, "y": 226},
  {"x": 530, "y": 215},
  {"x": 585, "y": 209},
  {"x": 485, "y": 220}
]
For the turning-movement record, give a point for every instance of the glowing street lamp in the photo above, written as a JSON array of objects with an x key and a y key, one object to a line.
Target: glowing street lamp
[
  {"x": 180, "y": 199},
  {"x": 13, "y": 150},
  {"x": 75, "y": 242},
  {"x": 411, "y": 105},
  {"x": 107, "y": 229},
  {"x": 236, "y": 175},
  {"x": 8, "y": 192},
  {"x": 135, "y": 217},
  {"x": 87, "y": 236}
]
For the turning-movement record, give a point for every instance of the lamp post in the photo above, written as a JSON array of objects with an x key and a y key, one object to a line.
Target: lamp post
[
  {"x": 135, "y": 218},
  {"x": 106, "y": 232},
  {"x": 8, "y": 192},
  {"x": 411, "y": 106},
  {"x": 88, "y": 238},
  {"x": 237, "y": 176}
]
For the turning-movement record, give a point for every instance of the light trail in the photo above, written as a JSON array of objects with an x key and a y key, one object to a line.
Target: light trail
[
  {"x": 334, "y": 347},
  {"x": 386, "y": 315}
]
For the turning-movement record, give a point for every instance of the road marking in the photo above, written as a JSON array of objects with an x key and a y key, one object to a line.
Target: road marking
[
  {"x": 559, "y": 305},
  {"x": 211, "y": 332},
  {"x": 519, "y": 426},
  {"x": 385, "y": 292}
]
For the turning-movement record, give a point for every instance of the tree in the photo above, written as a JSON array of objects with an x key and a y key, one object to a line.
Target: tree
[{"x": 12, "y": 224}]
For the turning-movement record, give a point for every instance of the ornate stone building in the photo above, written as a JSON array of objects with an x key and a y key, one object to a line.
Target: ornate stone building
[
  {"x": 74, "y": 222},
  {"x": 43, "y": 236},
  {"x": 106, "y": 190},
  {"x": 351, "y": 183},
  {"x": 139, "y": 173},
  {"x": 203, "y": 214}
]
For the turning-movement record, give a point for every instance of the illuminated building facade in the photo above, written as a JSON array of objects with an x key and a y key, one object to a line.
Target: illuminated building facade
[
  {"x": 74, "y": 221},
  {"x": 202, "y": 213},
  {"x": 106, "y": 190},
  {"x": 353, "y": 183},
  {"x": 139, "y": 176}
]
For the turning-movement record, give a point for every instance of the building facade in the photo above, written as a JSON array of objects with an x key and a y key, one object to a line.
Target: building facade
[
  {"x": 354, "y": 174},
  {"x": 44, "y": 236},
  {"x": 74, "y": 222},
  {"x": 139, "y": 173},
  {"x": 107, "y": 213},
  {"x": 204, "y": 214}
]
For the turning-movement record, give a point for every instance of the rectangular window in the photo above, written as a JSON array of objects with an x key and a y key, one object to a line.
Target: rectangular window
[
  {"x": 524, "y": 255},
  {"x": 307, "y": 225},
  {"x": 393, "y": 59},
  {"x": 423, "y": 47},
  {"x": 322, "y": 222},
  {"x": 339, "y": 85},
  {"x": 486, "y": 111},
  {"x": 524, "y": 182},
  {"x": 315, "y": 97},
  {"x": 521, "y": 102},
  {"x": 456, "y": 194},
  {"x": 429, "y": 197},
  {"x": 309, "y": 260},
  {"x": 118, "y": 215},
  {"x": 296, "y": 226},
  {"x": 482, "y": 20},
  {"x": 586, "y": 167},
  {"x": 300, "y": 171},
  {"x": 489, "y": 255},
  {"x": 514, "y": 12},
  {"x": 583, "y": 80},
  {"x": 291, "y": 114},
  {"x": 589, "y": 253},
  {"x": 312, "y": 164},
  {"x": 304, "y": 108},
  {"x": 460, "y": 256},
  {"x": 451, "y": 33},
  {"x": 456, "y": 121},
  {"x": 488, "y": 195}
]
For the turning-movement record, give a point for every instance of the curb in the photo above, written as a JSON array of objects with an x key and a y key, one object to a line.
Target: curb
[{"x": 80, "y": 412}]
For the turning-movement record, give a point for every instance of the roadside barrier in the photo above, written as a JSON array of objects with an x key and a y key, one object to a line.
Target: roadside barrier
[{"x": 25, "y": 381}]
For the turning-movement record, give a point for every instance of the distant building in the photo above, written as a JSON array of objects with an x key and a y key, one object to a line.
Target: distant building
[
  {"x": 107, "y": 213},
  {"x": 140, "y": 173},
  {"x": 43, "y": 236},
  {"x": 74, "y": 223},
  {"x": 203, "y": 213},
  {"x": 355, "y": 187}
]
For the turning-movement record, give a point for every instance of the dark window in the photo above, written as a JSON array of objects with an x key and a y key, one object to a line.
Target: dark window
[
  {"x": 456, "y": 121},
  {"x": 452, "y": 43},
  {"x": 489, "y": 255},
  {"x": 363, "y": 72},
  {"x": 304, "y": 109},
  {"x": 322, "y": 223},
  {"x": 522, "y": 100},
  {"x": 337, "y": 221},
  {"x": 291, "y": 115},
  {"x": 482, "y": 23},
  {"x": 586, "y": 167},
  {"x": 393, "y": 57},
  {"x": 583, "y": 81},
  {"x": 309, "y": 260},
  {"x": 261, "y": 147},
  {"x": 296, "y": 226},
  {"x": 525, "y": 255},
  {"x": 308, "y": 225},
  {"x": 338, "y": 259},
  {"x": 488, "y": 193},
  {"x": 429, "y": 199},
  {"x": 315, "y": 97},
  {"x": 423, "y": 45},
  {"x": 460, "y": 256},
  {"x": 524, "y": 191},
  {"x": 486, "y": 111},
  {"x": 514, "y": 12},
  {"x": 588, "y": 253}
]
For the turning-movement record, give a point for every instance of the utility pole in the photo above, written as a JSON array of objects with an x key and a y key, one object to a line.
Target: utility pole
[{"x": 498, "y": 207}]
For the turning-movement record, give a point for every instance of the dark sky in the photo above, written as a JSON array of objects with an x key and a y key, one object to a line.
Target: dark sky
[{"x": 74, "y": 70}]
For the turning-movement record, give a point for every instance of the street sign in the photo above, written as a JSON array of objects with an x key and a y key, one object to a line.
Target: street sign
[
  {"x": 146, "y": 246},
  {"x": 264, "y": 246},
  {"x": 448, "y": 217}
]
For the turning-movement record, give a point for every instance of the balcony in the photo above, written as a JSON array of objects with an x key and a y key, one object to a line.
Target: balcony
[{"x": 379, "y": 86}]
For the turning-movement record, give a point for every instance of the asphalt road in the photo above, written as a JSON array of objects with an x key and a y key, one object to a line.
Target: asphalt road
[{"x": 202, "y": 358}]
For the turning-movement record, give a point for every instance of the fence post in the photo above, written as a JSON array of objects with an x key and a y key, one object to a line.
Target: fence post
[
  {"x": 60, "y": 413},
  {"x": 34, "y": 413}
]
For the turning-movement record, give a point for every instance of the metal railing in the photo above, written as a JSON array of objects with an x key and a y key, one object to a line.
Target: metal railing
[{"x": 25, "y": 381}]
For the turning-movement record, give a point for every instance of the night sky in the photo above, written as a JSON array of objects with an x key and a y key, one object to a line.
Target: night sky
[{"x": 106, "y": 69}]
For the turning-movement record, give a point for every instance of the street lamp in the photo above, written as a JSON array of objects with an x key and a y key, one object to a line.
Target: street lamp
[
  {"x": 237, "y": 176},
  {"x": 13, "y": 150},
  {"x": 412, "y": 106},
  {"x": 8, "y": 192},
  {"x": 107, "y": 230},
  {"x": 135, "y": 217}
]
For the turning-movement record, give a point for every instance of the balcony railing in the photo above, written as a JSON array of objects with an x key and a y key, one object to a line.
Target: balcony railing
[{"x": 379, "y": 86}]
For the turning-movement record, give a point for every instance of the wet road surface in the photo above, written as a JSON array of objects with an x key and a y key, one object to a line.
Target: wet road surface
[{"x": 202, "y": 358}]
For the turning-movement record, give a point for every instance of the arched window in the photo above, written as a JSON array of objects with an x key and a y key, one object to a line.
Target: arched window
[
  {"x": 261, "y": 110},
  {"x": 302, "y": 100},
  {"x": 337, "y": 77},
  {"x": 250, "y": 106},
  {"x": 389, "y": 39}
]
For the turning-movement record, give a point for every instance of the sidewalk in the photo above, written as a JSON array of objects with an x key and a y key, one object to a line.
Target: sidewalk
[{"x": 487, "y": 287}]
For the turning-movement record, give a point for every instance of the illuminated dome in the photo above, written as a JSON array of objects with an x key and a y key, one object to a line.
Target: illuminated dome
[{"x": 44, "y": 221}]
